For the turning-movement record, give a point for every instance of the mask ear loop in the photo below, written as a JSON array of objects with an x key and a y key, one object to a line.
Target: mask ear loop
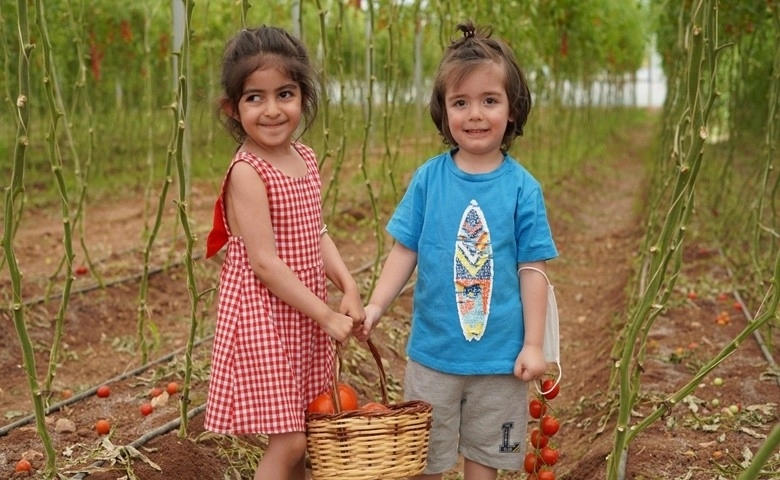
[{"x": 550, "y": 330}]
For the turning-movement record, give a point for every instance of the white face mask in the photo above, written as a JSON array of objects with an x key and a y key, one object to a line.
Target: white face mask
[{"x": 551, "y": 347}]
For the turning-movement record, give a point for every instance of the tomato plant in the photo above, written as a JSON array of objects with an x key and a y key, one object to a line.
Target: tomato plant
[
  {"x": 102, "y": 427},
  {"x": 550, "y": 425},
  {"x": 538, "y": 439},
  {"x": 550, "y": 389},
  {"x": 536, "y": 408},
  {"x": 549, "y": 455},
  {"x": 146, "y": 409},
  {"x": 23, "y": 465},
  {"x": 103, "y": 391}
]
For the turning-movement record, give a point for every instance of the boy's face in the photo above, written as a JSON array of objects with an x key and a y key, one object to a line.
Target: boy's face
[{"x": 478, "y": 110}]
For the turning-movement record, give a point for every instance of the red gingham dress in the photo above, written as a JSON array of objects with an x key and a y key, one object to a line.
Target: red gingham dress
[{"x": 269, "y": 361}]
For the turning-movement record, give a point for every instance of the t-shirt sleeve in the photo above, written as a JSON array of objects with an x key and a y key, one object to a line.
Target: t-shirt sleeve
[
  {"x": 534, "y": 237},
  {"x": 406, "y": 223}
]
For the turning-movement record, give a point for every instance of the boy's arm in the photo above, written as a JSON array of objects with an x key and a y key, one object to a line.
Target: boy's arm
[
  {"x": 396, "y": 271},
  {"x": 530, "y": 364}
]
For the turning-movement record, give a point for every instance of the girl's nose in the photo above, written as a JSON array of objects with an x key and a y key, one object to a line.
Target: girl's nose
[{"x": 271, "y": 108}]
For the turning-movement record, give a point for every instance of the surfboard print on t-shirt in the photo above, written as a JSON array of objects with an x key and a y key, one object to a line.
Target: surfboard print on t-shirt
[{"x": 473, "y": 269}]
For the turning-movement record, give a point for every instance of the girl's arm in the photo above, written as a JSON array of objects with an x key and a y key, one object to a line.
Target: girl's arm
[
  {"x": 338, "y": 273},
  {"x": 249, "y": 217},
  {"x": 530, "y": 364},
  {"x": 398, "y": 267}
]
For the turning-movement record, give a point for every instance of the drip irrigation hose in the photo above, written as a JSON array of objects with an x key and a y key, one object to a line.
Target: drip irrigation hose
[
  {"x": 58, "y": 406},
  {"x": 161, "y": 430}
]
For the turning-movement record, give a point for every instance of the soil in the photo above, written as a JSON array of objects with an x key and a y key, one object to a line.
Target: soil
[{"x": 596, "y": 219}]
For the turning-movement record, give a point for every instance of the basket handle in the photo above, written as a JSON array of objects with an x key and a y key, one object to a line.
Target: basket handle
[
  {"x": 337, "y": 373},
  {"x": 382, "y": 376}
]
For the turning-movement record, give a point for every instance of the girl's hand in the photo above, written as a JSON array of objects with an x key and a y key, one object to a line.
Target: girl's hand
[
  {"x": 372, "y": 315},
  {"x": 338, "y": 326},
  {"x": 352, "y": 305},
  {"x": 530, "y": 364}
]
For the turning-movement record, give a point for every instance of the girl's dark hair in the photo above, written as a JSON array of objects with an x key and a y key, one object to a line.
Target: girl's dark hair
[
  {"x": 463, "y": 54},
  {"x": 265, "y": 47}
]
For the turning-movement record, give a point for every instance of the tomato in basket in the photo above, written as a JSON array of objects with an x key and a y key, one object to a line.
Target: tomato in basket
[
  {"x": 374, "y": 407},
  {"x": 324, "y": 402}
]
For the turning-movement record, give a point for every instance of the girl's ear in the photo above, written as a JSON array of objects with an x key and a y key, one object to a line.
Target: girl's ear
[{"x": 227, "y": 107}]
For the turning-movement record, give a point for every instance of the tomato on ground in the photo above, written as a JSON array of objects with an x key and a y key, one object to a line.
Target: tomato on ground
[
  {"x": 172, "y": 388},
  {"x": 146, "y": 409},
  {"x": 103, "y": 391},
  {"x": 102, "y": 427},
  {"x": 23, "y": 465}
]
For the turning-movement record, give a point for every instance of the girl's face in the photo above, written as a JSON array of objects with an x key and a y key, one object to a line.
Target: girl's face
[
  {"x": 270, "y": 110},
  {"x": 478, "y": 112}
]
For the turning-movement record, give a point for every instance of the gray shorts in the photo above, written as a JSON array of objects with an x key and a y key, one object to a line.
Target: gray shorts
[{"x": 482, "y": 417}]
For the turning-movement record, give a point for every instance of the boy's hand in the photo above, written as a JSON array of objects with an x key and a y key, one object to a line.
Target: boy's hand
[
  {"x": 373, "y": 314},
  {"x": 530, "y": 364}
]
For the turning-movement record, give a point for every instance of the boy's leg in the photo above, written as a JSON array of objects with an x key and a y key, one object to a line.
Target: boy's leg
[{"x": 475, "y": 471}]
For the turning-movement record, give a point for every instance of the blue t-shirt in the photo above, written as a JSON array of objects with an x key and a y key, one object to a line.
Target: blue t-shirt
[{"x": 470, "y": 231}]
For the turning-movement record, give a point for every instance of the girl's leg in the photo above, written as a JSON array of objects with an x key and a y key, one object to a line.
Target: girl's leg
[
  {"x": 476, "y": 471},
  {"x": 284, "y": 459}
]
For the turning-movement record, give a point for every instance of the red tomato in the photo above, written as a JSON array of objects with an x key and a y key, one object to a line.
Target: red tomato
[
  {"x": 322, "y": 404},
  {"x": 538, "y": 439},
  {"x": 374, "y": 407},
  {"x": 347, "y": 397},
  {"x": 81, "y": 270},
  {"x": 545, "y": 475},
  {"x": 102, "y": 427},
  {"x": 66, "y": 393},
  {"x": 550, "y": 425},
  {"x": 23, "y": 465},
  {"x": 550, "y": 389},
  {"x": 532, "y": 462},
  {"x": 103, "y": 391},
  {"x": 549, "y": 455},
  {"x": 536, "y": 408},
  {"x": 172, "y": 388},
  {"x": 155, "y": 392},
  {"x": 146, "y": 409}
]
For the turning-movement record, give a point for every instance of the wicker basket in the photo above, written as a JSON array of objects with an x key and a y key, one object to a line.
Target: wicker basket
[{"x": 367, "y": 445}]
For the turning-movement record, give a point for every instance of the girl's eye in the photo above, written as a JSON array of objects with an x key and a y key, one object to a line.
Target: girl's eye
[
  {"x": 459, "y": 103},
  {"x": 285, "y": 94},
  {"x": 252, "y": 98},
  {"x": 491, "y": 100}
]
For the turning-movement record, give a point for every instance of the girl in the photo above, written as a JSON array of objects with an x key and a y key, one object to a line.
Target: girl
[
  {"x": 272, "y": 350},
  {"x": 474, "y": 344}
]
